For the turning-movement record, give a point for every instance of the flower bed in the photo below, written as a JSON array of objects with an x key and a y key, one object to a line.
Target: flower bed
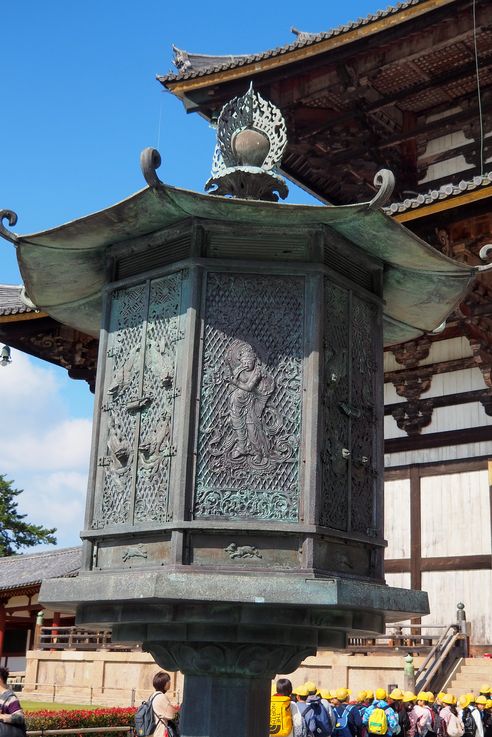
[{"x": 80, "y": 718}]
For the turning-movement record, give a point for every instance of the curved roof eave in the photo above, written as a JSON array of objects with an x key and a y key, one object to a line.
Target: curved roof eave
[{"x": 64, "y": 268}]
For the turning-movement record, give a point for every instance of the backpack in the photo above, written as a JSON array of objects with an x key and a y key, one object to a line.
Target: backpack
[
  {"x": 317, "y": 720},
  {"x": 469, "y": 724},
  {"x": 455, "y": 727},
  {"x": 280, "y": 716},
  {"x": 145, "y": 721},
  {"x": 377, "y": 722},
  {"x": 341, "y": 725}
]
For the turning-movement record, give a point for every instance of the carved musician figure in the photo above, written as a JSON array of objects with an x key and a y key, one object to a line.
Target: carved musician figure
[{"x": 250, "y": 388}]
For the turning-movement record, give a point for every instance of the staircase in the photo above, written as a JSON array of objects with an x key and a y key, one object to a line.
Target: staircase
[{"x": 470, "y": 675}]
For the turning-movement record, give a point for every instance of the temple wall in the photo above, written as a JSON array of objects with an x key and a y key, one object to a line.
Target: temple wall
[{"x": 122, "y": 679}]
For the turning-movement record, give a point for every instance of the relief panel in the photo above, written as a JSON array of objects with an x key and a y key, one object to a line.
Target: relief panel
[
  {"x": 348, "y": 416},
  {"x": 236, "y": 551},
  {"x": 250, "y": 399},
  {"x": 132, "y": 553},
  {"x": 155, "y": 448},
  {"x": 119, "y": 425},
  {"x": 335, "y": 421},
  {"x": 136, "y": 436},
  {"x": 364, "y": 426}
]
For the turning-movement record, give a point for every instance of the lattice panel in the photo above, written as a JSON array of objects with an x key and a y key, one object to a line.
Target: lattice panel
[
  {"x": 250, "y": 401},
  {"x": 335, "y": 392},
  {"x": 122, "y": 388},
  {"x": 364, "y": 370},
  {"x": 155, "y": 447}
]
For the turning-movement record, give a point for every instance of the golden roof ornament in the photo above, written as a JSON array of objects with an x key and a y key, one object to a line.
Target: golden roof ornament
[{"x": 251, "y": 140}]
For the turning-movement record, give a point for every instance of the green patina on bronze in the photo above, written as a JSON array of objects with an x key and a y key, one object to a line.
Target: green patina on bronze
[{"x": 421, "y": 285}]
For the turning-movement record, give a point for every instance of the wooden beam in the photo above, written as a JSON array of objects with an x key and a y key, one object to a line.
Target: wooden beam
[
  {"x": 439, "y": 439},
  {"x": 415, "y": 529},
  {"x": 438, "y": 469},
  {"x": 7, "y": 319},
  {"x": 444, "y": 563},
  {"x": 442, "y": 367},
  {"x": 449, "y": 400}
]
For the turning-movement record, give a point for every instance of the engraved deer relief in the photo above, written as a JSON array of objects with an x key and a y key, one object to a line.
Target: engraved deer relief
[{"x": 246, "y": 434}]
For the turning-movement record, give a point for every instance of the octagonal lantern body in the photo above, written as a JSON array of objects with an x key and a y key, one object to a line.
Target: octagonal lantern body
[{"x": 239, "y": 420}]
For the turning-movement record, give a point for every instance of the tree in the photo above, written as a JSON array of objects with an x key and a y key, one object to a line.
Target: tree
[{"x": 15, "y": 533}]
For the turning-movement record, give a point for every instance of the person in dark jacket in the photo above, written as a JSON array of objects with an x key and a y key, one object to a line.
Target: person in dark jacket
[{"x": 354, "y": 720}]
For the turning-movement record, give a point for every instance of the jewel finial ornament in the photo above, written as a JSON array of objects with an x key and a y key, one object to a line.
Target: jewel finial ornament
[{"x": 251, "y": 140}]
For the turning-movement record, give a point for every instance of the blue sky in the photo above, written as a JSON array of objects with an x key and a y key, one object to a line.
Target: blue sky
[{"x": 80, "y": 102}]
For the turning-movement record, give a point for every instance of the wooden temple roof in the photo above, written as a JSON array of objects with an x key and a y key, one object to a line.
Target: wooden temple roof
[
  {"x": 375, "y": 93},
  {"x": 21, "y": 571},
  {"x": 36, "y": 333}
]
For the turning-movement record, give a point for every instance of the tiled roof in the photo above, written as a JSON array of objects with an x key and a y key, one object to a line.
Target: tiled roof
[
  {"x": 10, "y": 300},
  {"x": 443, "y": 193},
  {"x": 197, "y": 65},
  {"x": 17, "y": 571}
]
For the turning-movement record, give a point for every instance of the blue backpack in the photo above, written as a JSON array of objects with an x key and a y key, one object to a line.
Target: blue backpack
[
  {"x": 145, "y": 718},
  {"x": 341, "y": 725},
  {"x": 317, "y": 720}
]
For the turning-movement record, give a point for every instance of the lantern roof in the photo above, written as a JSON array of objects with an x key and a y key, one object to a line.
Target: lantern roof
[{"x": 64, "y": 268}]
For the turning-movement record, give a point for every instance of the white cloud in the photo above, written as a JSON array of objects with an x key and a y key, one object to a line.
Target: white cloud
[{"x": 44, "y": 446}]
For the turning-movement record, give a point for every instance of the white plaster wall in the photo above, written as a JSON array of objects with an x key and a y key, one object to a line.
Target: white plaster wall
[
  {"x": 473, "y": 588},
  {"x": 397, "y": 518},
  {"x": 455, "y": 515}
]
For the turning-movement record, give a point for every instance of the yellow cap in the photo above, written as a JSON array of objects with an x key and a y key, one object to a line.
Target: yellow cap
[
  {"x": 369, "y": 694},
  {"x": 325, "y": 694},
  {"x": 464, "y": 701},
  {"x": 441, "y": 695},
  {"x": 362, "y": 695},
  {"x": 342, "y": 693},
  {"x": 409, "y": 696},
  {"x": 430, "y": 697},
  {"x": 422, "y": 696},
  {"x": 485, "y": 688},
  {"x": 488, "y": 705},
  {"x": 311, "y": 686},
  {"x": 380, "y": 694},
  {"x": 481, "y": 700},
  {"x": 471, "y": 696},
  {"x": 301, "y": 691},
  {"x": 449, "y": 699},
  {"x": 396, "y": 694}
]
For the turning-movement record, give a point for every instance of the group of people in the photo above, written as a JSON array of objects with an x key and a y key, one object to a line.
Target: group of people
[{"x": 309, "y": 711}]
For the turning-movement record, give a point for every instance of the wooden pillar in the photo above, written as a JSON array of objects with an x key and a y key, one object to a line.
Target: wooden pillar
[
  {"x": 37, "y": 630},
  {"x": 415, "y": 532},
  {"x": 2, "y": 627}
]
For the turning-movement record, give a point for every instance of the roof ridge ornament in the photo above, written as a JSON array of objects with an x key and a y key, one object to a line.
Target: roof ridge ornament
[{"x": 251, "y": 140}]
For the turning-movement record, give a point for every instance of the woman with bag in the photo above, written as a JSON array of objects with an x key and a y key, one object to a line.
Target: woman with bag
[
  {"x": 12, "y": 723},
  {"x": 165, "y": 711}
]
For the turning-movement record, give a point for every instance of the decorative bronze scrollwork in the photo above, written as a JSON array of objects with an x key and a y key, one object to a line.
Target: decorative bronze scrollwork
[
  {"x": 150, "y": 160},
  {"x": 11, "y": 218},
  {"x": 385, "y": 180}
]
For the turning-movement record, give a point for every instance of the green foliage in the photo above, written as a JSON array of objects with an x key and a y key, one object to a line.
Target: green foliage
[{"x": 15, "y": 533}]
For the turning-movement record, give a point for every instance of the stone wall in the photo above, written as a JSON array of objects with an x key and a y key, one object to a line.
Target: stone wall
[{"x": 125, "y": 678}]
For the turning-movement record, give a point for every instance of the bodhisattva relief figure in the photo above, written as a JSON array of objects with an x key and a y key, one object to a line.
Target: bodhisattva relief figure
[{"x": 250, "y": 388}]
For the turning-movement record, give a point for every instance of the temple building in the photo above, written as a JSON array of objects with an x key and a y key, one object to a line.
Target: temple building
[{"x": 408, "y": 88}]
